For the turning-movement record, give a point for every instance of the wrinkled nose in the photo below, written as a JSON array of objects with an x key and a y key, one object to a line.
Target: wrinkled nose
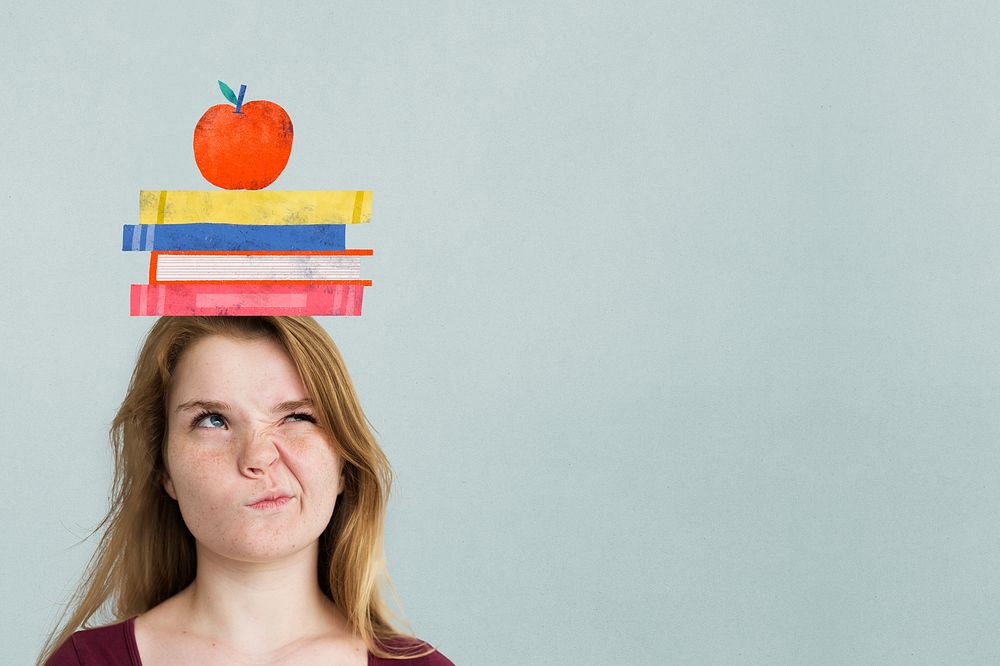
[{"x": 260, "y": 450}]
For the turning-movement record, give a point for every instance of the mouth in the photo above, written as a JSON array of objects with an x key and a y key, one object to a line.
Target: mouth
[{"x": 274, "y": 502}]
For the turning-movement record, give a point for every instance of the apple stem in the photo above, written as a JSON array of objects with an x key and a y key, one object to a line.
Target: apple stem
[{"x": 239, "y": 100}]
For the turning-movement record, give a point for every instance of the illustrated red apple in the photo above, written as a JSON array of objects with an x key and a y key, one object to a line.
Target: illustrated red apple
[{"x": 242, "y": 148}]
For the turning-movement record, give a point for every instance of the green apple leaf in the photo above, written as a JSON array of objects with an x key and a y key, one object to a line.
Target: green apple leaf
[{"x": 228, "y": 92}]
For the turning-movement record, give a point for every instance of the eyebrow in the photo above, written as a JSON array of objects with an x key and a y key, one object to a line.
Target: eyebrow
[
  {"x": 207, "y": 405},
  {"x": 292, "y": 405},
  {"x": 215, "y": 405}
]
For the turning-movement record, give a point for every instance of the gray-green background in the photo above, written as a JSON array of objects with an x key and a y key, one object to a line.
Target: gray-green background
[{"x": 684, "y": 339}]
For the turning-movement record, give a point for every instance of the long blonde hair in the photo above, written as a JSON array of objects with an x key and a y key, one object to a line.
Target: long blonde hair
[{"x": 146, "y": 553}]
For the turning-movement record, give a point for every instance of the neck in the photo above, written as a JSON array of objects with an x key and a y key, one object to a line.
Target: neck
[{"x": 259, "y": 607}]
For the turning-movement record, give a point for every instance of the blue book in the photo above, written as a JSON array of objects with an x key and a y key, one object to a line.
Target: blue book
[{"x": 232, "y": 237}]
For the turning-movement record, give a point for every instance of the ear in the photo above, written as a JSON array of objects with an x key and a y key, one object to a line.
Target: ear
[
  {"x": 168, "y": 485},
  {"x": 340, "y": 484}
]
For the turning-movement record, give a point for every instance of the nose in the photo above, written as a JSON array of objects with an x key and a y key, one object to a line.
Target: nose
[{"x": 259, "y": 453}]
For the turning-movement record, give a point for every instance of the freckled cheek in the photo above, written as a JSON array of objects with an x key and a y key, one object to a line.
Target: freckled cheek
[
  {"x": 312, "y": 460},
  {"x": 322, "y": 485},
  {"x": 200, "y": 482}
]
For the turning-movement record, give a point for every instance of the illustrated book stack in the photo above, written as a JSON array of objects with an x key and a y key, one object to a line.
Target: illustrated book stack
[{"x": 248, "y": 252}]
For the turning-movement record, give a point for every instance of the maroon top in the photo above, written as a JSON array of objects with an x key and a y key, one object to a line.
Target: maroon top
[{"x": 114, "y": 645}]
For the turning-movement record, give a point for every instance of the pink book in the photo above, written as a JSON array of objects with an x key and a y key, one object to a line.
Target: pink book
[{"x": 248, "y": 299}]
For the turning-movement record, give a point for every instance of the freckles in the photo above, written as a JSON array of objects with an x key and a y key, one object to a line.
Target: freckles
[
  {"x": 212, "y": 493},
  {"x": 196, "y": 477}
]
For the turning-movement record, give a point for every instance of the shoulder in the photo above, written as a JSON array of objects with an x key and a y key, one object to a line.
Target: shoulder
[
  {"x": 402, "y": 647},
  {"x": 109, "y": 645}
]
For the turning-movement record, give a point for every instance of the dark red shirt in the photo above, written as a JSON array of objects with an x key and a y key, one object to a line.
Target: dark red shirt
[{"x": 114, "y": 645}]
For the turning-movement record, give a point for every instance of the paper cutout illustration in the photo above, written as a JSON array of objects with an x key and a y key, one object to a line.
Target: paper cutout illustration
[
  {"x": 241, "y": 250},
  {"x": 202, "y": 236},
  {"x": 184, "y": 299},
  {"x": 242, "y": 148},
  {"x": 169, "y": 266},
  {"x": 266, "y": 207}
]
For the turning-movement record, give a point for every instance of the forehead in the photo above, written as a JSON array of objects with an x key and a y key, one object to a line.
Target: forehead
[{"x": 222, "y": 368}]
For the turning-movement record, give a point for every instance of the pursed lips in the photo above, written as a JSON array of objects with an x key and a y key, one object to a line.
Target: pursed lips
[{"x": 269, "y": 497}]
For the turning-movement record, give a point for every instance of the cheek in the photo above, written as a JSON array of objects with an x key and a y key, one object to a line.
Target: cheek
[
  {"x": 205, "y": 497},
  {"x": 197, "y": 476},
  {"x": 319, "y": 473},
  {"x": 310, "y": 456}
]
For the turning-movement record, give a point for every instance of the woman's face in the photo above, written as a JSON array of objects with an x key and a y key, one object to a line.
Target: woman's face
[{"x": 241, "y": 427}]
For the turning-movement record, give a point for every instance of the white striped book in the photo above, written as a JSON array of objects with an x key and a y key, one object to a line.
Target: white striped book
[{"x": 199, "y": 267}]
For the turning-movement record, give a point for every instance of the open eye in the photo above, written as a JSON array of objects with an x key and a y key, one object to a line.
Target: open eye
[
  {"x": 209, "y": 420},
  {"x": 301, "y": 416}
]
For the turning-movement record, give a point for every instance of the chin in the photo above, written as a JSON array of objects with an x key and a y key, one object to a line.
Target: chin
[{"x": 251, "y": 549}]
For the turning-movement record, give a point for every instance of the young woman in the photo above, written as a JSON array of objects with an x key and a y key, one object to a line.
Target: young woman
[{"x": 247, "y": 513}]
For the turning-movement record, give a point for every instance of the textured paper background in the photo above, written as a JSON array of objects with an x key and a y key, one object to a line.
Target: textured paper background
[{"x": 684, "y": 339}]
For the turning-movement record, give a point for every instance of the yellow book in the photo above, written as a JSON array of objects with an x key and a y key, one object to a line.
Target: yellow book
[{"x": 254, "y": 206}]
